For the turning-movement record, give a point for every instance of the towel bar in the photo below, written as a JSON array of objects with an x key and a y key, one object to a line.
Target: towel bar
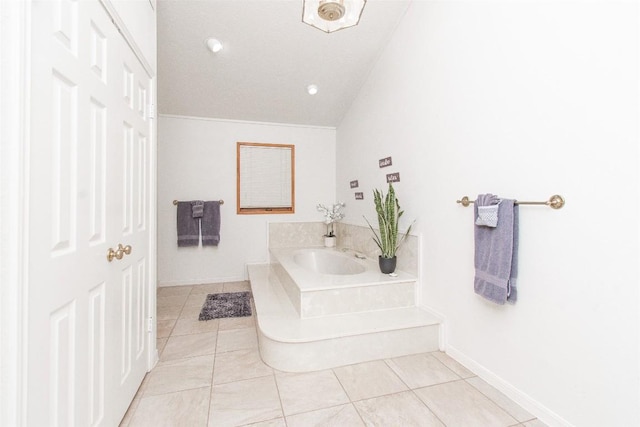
[
  {"x": 555, "y": 202},
  {"x": 175, "y": 202}
]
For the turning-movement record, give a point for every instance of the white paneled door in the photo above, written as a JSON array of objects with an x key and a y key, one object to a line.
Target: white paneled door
[{"x": 89, "y": 196}]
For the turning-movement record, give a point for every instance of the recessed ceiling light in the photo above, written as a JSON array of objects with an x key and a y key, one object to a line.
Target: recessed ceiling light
[
  {"x": 214, "y": 45},
  {"x": 312, "y": 89}
]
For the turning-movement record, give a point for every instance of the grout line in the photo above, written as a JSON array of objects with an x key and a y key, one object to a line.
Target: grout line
[
  {"x": 275, "y": 381},
  {"x": 213, "y": 368},
  {"x": 427, "y": 406},
  {"x": 494, "y": 402}
]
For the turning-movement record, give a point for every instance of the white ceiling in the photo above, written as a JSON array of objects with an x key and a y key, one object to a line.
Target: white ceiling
[{"x": 269, "y": 58}]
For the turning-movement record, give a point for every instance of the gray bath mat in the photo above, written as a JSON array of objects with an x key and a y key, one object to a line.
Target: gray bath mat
[{"x": 232, "y": 304}]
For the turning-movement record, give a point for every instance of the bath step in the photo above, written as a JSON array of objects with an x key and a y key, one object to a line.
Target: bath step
[{"x": 292, "y": 344}]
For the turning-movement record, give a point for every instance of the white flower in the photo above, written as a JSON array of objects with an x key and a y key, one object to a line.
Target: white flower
[{"x": 331, "y": 215}]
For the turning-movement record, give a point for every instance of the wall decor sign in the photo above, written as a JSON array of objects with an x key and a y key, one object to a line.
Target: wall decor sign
[
  {"x": 383, "y": 163},
  {"x": 393, "y": 177},
  {"x": 359, "y": 196},
  {"x": 354, "y": 184}
]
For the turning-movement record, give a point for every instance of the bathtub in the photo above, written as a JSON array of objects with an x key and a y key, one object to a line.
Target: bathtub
[
  {"x": 328, "y": 262},
  {"x": 327, "y": 281}
]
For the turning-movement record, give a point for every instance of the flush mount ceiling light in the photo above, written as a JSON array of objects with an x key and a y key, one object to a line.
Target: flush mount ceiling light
[
  {"x": 214, "y": 45},
  {"x": 312, "y": 89},
  {"x": 332, "y": 15}
]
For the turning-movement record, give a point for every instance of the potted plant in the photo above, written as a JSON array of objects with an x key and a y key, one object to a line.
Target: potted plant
[
  {"x": 387, "y": 239},
  {"x": 330, "y": 216}
]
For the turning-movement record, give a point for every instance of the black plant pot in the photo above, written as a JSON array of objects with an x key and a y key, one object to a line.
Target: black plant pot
[{"x": 387, "y": 265}]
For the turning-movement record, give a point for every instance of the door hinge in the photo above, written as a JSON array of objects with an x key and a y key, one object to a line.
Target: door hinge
[
  {"x": 150, "y": 324},
  {"x": 151, "y": 111}
]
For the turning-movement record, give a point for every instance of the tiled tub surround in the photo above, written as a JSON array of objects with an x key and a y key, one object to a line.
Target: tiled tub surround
[
  {"x": 309, "y": 321},
  {"x": 313, "y": 294},
  {"x": 353, "y": 237}
]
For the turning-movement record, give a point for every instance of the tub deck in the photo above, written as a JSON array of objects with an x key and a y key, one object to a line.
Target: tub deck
[
  {"x": 316, "y": 295},
  {"x": 294, "y": 344}
]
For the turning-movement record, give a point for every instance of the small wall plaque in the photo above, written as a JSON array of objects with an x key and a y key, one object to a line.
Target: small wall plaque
[
  {"x": 383, "y": 163},
  {"x": 354, "y": 184},
  {"x": 359, "y": 196},
  {"x": 393, "y": 177}
]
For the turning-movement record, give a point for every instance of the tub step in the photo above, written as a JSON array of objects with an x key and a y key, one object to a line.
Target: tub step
[{"x": 292, "y": 344}]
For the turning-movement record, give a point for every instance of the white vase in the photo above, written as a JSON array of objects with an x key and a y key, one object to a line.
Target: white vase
[{"x": 329, "y": 242}]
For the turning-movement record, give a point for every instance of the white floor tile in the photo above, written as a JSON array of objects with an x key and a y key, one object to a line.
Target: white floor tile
[
  {"x": 181, "y": 374},
  {"x": 459, "y": 404},
  {"x": 399, "y": 409},
  {"x": 515, "y": 410},
  {"x": 194, "y": 326},
  {"x": 204, "y": 290},
  {"x": 239, "y": 365},
  {"x": 184, "y": 408},
  {"x": 421, "y": 370},
  {"x": 309, "y": 391},
  {"x": 244, "y": 402},
  {"x": 173, "y": 290},
  {"x": 179, "y": 347},
  {"x": 370, "y": 379},
  {"x": 337, "y": 416},
  {"x": 237, "y": 339},
  {"x": 452, "y": 364}
]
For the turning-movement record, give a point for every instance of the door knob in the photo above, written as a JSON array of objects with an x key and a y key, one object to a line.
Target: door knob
[
  {"x": 111, "y": 254},
  {"x": 118, "y": 253}
]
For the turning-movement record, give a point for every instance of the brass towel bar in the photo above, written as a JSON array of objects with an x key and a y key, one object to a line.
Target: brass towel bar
[
  {"x": 175, "y": 202},
  {"x": 555, "y": 202}
]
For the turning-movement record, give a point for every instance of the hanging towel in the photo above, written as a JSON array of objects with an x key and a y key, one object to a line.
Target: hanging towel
[
  {"x": 197, "y": 208},
  {"x": 496, "y": 253},
  {"x": 211, "y": 224},
  {"x": 188, "y": 227}
]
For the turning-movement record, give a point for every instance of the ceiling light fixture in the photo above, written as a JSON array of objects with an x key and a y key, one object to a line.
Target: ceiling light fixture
[
  {"x": 312, "y": 89},
  {"x": 332, "y": 15},
  {"x": 214, "y": 45}
]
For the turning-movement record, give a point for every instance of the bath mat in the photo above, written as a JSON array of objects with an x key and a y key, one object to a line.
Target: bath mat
[{"x": 232, "y": 304}]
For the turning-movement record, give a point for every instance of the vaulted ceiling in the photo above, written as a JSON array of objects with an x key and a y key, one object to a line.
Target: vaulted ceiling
[{"x": 269, "y": 58}]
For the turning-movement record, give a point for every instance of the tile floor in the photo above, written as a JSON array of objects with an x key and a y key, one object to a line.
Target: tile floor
[{"x": 210, "y": 374}]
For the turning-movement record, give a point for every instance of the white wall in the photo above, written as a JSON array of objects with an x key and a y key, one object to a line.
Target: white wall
[
  {"x": 197, "y": 160},
  {"x": 524, "y": 100}
]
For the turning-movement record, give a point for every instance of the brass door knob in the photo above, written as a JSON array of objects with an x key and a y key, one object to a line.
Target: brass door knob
[
  {"x": 120, "y": 252},
  {"x": 111, "y": 254}
]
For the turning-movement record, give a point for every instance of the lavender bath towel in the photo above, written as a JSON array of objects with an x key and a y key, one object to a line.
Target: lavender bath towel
[
  {"x": 496, "y": 253},
  {"x": 197, "y": 208},
  {"x": 188, "y": 227},
  {"x": 211, "y": 224}
]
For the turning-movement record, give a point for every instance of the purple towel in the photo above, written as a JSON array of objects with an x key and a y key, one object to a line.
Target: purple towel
[
  {"x": 197, "y": 208},
  {"x": 188, "y": 227},
  {"x": 496, "y": 253},
  {"x": 211, "y": 224}
]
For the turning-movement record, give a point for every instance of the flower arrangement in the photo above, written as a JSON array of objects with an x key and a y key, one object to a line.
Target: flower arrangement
[{"x": 331, "y": 215}]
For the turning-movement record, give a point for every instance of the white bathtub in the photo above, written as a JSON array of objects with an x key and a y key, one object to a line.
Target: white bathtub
[
  {"x": 327, "y": 281},
  {"x": 328, "y": 262}
]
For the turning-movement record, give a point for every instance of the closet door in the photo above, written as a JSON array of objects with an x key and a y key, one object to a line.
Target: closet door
[{"x": 90, "y": 158}]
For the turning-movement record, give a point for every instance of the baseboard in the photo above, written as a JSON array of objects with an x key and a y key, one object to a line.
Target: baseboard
[
  {"x": 536, "y": 408},
  {"x": 191, "y": 282}
]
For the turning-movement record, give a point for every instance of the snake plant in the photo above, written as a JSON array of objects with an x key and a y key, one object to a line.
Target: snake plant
[{"x": 389, "y": 213}]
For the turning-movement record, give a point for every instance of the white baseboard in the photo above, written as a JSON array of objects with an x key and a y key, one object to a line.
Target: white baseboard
[
  {"x": 536, "y": 408},
  {"x": 191, "y": 282}
]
